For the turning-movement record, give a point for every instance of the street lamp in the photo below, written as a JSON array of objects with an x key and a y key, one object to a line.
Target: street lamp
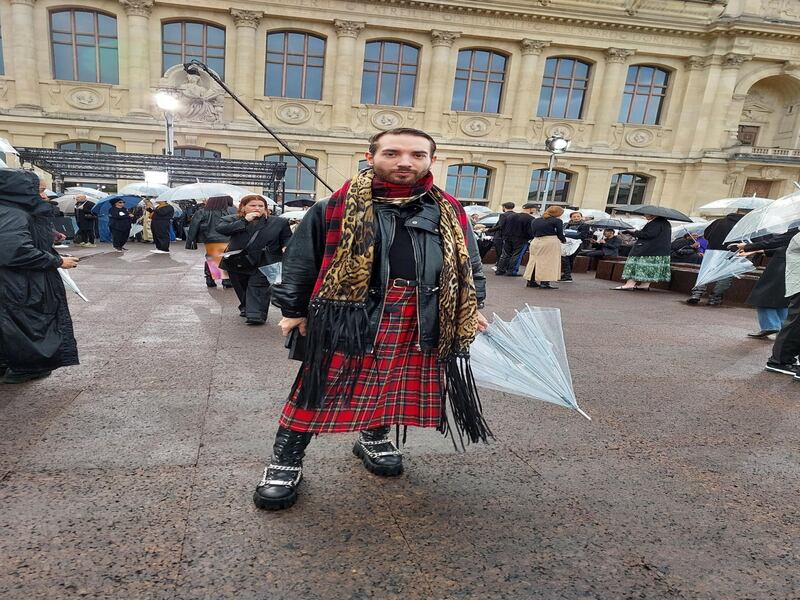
[
  {"x": 555, "y": 144},
  {"x": 169, "y": 104}
]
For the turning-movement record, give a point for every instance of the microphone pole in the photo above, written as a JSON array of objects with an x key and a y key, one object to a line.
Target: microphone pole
[{"x": 192, "y": 68}]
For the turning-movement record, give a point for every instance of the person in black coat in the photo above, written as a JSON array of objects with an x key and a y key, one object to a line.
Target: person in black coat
[
  {"x": 769, "y": 293},
  {"x": 715, "y": 234},
  {"x": 648, "y": 261},
  {"x": 497, "y": 229},
  {"x": 262, "y": 239},
  {"x": 86, "y": 220},
  {"x": 203, "y": 230},
  {"x": 516, "y": 236},
  {"x": 575, "y": 228},
  {"x": 162, "y": 217},
  {"x": 119, "y": 223},
  {"x": 608, "y": 246},
  {"x": 35, "y": 325}
]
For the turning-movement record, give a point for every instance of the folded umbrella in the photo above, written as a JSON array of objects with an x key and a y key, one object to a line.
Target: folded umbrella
[
  {"x": 656, "y": 211},
  {"x": 721, "y": 264},
  {"x": 70, "y": 283},
  {"x": 775, "y": 218},
  {"x": 526, "y": 357}
]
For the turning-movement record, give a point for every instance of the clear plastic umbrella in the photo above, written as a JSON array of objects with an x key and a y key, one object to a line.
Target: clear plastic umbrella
[
  {"x": 70, "y": 283},
  {"x": 721, "y": 264},
  {"x": 526, "y": 357},
  {"x": 196, "y": 191},
  {"x": 777, "y": 217},
  {"x": 477, "y": 208},
  {"x": 92, "y": 193},
  {"x": 142, "y": 188},
  {"x": 681, "y": 229},
  {"x": 729, "y": 204}
]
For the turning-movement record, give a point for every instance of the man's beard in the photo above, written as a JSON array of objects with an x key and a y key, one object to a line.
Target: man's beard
[{"x": 391, "y": 176}]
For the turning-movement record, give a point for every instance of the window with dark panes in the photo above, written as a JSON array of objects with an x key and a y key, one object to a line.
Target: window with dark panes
[
  {"x": 363, "y": 164},
  {"x": 196, "y": 152},
  {"x": 295, "y": 63},
  {"x": 645, "y": 90},
  {"x": 557, "y": 191},
  {"x": 468, "y": 182},
  {"x": 183, "y": 41},
  {"x": 84, "y": 46},
  {"x": 86, "y": 147},
  {"x": 627, "y": 189},
  {"x": 390, "y": 73},
  {"x": 480, "y": 75},
  {"x": 564, "y": 88},
  {"x": 299, "y": 181}
]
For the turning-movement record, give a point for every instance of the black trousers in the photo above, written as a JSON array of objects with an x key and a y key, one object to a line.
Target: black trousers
[
  {"x": 253, "y": 291},
  {"x": 119, "y": 237},
  {"x": 86, "y": 234},
  {"x": 787, "y": 343},
  {"x": 512, "y": 249},
  {"x": 160, "y": 231},
  {"x": 566, "y": 265}
]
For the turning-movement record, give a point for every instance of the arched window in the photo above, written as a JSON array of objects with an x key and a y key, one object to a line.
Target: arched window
[
  {"x": 563, "y": 88},
  {"x": 627, "y": 189},
  {"x": 645, "y": 90},
  {"x": 390, "y": 73},
  {"x": 294, "y": 65},
  {"x": 86, "y": 146},
  {"x": 468, "y": 182},
  {"x": 557, "y": 192},
  {"x": 479, "y": 81},
  {"x": 182, "y": 41},
  {"x": 196, "y": 152},
  {"x": 84, "y": 46},
  {"x": 300, "y": 183}
]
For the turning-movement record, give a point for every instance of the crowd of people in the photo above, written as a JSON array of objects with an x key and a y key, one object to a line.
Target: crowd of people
[{"x": 380, "y": 294}]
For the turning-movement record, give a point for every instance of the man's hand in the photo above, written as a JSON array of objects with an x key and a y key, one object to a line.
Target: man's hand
[
  {"x": 69, "y": 262},
  {"x": 482, "y": 322},
  {"x": 287, "y": 324}
]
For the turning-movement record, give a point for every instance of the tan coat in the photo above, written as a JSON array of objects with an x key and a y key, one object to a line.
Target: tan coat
[{"x": 545, "y": 257}]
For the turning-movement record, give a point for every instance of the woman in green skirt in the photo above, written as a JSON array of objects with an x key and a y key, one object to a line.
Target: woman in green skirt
[{"x": 648, "y": 261}]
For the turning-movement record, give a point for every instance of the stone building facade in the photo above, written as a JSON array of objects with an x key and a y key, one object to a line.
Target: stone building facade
[{"x": 674, "y": 102}]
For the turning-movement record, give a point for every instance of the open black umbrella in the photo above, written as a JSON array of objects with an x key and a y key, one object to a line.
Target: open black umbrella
[
  {"x": 610, "y": 224},
  {"x": 656, "y": 211},
  {"x": 301, "y": 202}
]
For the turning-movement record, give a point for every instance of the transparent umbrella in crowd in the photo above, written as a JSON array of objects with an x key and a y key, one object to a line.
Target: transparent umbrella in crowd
[
  {"x": 90, "y": 193},
  {"x": 775, "y": 218},
  {"x": 526, "y": 357},
  {"x": 726, "y": 205},
  {"x": 722, "y": 264},
  {"x": 195, "y": 191},
  {"x": 142, "y": 188}
]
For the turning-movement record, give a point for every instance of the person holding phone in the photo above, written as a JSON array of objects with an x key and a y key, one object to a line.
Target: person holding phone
[
  {"x": 258, "y": 240},
  {"x": 35, "y": 325}
]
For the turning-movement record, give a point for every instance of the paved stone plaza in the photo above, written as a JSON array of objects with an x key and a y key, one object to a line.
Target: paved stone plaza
[{"x": 131, "y": 475}]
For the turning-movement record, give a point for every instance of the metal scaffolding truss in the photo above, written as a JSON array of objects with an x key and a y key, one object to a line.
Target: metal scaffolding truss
[{"x": 72, "y": 164}]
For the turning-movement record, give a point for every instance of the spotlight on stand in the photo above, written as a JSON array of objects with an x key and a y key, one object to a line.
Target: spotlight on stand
[
  {"x": 555, "y": 144},
  {"x": 169, "y": 104}
]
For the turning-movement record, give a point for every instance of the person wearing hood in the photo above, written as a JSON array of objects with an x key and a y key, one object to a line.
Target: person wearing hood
[
  {"x": 119, "y": 223},
  {"x": 715, "y": 235},
  {"x": 35, "y": 325},
  {"x": 162, "y": 216}
]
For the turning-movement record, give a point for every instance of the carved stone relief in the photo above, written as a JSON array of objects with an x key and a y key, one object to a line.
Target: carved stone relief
[
  {"x": 640, "y": 138},
  {"x": 563, "y": 130},
  {"x": 476, "y": 126},
  {"x": 756, "y": 108},
  {"x": 199, "y": 95},
  {"x": 293, "y": 113},
  {"x": 387, "y": 119},
  {"x": 787, "y": 10},
  {"x": 770, "y": 173},
  {"x": 84, "y": 99}
]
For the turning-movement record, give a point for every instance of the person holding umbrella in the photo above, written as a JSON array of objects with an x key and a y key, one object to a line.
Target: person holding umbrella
[
  {"x": 161, "y": 218},
  {"x": 119, "y": 223},
  {"x": 649, "y": 260},
  {"x": 786, "y": 350}
]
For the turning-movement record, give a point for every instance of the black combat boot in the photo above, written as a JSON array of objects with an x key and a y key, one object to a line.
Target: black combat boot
[
  {"x": 278, "y": 486},
  {"x": 378, "y": 453}
]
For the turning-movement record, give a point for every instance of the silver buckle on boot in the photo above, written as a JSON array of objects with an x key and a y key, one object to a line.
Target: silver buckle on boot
[
  {"x": 290, "y": 484},
  {"x": 365, "y": 446}
]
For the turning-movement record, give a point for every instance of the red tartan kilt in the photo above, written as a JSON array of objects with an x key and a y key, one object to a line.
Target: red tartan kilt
[{"x": 398, "y": 384}]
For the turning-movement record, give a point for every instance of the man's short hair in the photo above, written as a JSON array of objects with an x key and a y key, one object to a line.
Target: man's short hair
[
  {"x": 373, "y": 141},
  {"x": 509, "y": 205},
  {"x": 611, "y": 230},
  {"x": 577, "y": 212},
  {"x": 530, "y": 205}
]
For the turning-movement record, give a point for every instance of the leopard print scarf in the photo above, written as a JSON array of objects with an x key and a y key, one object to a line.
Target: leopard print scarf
[{"x": 348, "y": 274}]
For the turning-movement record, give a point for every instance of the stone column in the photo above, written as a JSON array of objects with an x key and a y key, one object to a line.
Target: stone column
[
  {"x": 516, "y": 183},
  {"x": 343, "y": 79},
  {"x": 23, "y": 54},
  {"x": 594, "y": 193},
  {"x": 613, "y": 88},
  {"x": 139, "y": 92},
  {"x": 244, "y": 83},
  {"x": 690, "y": 106},
  {"x": 724, "y": 125},
  {"x": 527, "y": 95},
  {"x": 439, "y": 80}
]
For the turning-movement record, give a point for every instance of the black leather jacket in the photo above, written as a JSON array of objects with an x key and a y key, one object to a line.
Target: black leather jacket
[{"x": 303, "y": 259}]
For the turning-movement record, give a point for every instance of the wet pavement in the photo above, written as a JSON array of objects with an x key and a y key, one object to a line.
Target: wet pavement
[{"x": 131, "y": 475}]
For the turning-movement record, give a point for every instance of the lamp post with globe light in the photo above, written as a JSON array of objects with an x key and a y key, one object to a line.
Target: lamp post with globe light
[
  {"x": 169, "y": 104},
  {"x": 555, "y": 144}
]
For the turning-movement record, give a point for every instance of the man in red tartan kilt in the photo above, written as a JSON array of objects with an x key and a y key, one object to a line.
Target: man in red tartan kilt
[{"x": 381, "y": 286}]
